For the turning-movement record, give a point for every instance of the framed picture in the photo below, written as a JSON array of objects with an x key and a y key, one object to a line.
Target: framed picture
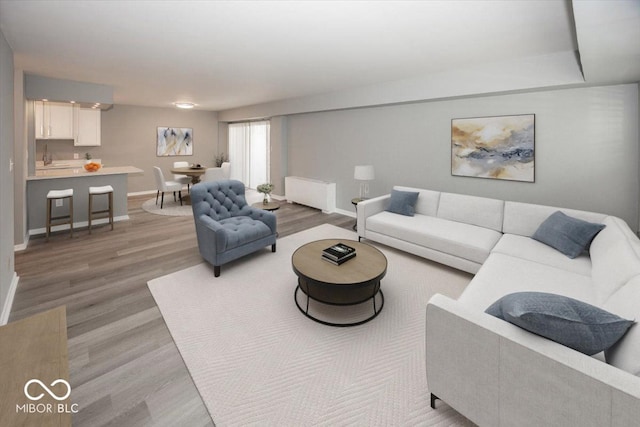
[
  {"x": 501, "y": 147},
  {"x": 174, "y": 142}
]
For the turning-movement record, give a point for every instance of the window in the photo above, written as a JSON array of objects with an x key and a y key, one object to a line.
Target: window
[{"x": 249, "y": 149}]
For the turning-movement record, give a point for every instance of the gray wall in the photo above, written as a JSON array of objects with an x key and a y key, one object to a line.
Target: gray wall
[
  {"x": 40, "y": 87},
  {"x": 7, "y": 270},
  {"x": 20, "y": 159},
  {"x": 279, "y": 152},
  {"x": 129, "y": 139},
  {"x": 586, "y": 142}
]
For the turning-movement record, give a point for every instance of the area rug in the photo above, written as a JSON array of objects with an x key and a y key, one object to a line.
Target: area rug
[
  {"x": 169, "y": 207},
  {"x": 257, "y": 360}
]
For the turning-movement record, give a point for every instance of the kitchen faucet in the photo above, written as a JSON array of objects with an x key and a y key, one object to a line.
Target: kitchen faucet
[{"x": 46, "y": 159}]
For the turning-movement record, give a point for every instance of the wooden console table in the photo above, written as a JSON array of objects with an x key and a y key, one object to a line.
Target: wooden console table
[{"x": 34, "y": 348}]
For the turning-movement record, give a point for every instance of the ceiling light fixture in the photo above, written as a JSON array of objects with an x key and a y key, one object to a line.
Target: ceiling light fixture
[{"x": 184, "y": 105}]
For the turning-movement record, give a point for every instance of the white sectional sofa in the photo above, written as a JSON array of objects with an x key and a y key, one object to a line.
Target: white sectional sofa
[{"x": 495, "y": 373}]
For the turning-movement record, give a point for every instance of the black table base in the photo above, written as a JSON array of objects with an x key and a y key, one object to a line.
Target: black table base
[{"x": 305, "y": 311}]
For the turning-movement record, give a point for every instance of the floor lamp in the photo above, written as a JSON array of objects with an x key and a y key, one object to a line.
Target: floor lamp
[{"x": 364, "y": 174}]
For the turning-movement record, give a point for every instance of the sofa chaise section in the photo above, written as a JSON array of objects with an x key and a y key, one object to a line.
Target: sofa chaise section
[
  {"x": 497, "y": 374},
  {"x": 494, "y": 372}
]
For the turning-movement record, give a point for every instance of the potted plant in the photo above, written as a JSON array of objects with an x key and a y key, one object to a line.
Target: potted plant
[
  {"x": 220, "y": 159},
  {"x": 265, "y": 189}
]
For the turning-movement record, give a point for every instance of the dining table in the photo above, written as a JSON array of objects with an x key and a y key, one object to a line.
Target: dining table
[{"x": 193, "y": 172}]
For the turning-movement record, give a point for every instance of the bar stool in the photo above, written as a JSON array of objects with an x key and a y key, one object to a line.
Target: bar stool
[
  {"x": 98, "y": 191},
  {"x": 59, "y": 195}
]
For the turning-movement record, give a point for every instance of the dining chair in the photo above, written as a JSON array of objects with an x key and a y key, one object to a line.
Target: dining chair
[
  {"x": 217, "y": 174},
  {"x": 163, "y": 186},
  {"x": 182, "y": 179},
  {"x": 226, "y": 170}
]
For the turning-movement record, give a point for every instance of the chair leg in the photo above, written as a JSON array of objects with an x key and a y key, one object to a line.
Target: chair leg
[
  {"x": 180, "y": 195},
  {"x": 273, "y": 247},
  {"x": 433, "y": 400},
  {"x": 174, "y": 196},
  {"x": 216, "y": 271},
  {"x": 188, "y": 188},
  {"x": 90, "y": 210},
  {"x": 111, "y": 209},
  {"x": 71, "y": 215},
  {"x": 162, "y": 200},
  {"x": 157, "y": 195},
  {"x": 49, "y": 205}
]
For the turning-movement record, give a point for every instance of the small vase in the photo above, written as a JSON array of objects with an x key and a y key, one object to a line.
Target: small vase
[{"x": 266, "y": 198}]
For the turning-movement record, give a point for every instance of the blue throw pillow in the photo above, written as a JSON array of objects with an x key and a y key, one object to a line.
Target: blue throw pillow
[
  {"x": 569, "y": 235},
  {"x": 565, "y": 320},
  {"x": 403, "y": 202}
]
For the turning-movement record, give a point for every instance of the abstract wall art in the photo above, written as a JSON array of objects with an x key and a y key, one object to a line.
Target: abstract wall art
[
  {"x": 174, "y": 142},
  {"x": 494, "y": 147}
]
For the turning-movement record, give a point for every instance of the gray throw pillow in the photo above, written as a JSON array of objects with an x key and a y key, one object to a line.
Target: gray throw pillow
[
  {"x": 403, "y": 202},
  {"x": 565, "y": 320},
  {"x": 569, "y": 235}
]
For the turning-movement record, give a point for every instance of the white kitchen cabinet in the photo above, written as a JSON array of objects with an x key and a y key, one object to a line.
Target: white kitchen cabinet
[
  {"x": 53, "y": 120},
  {"x": 88, "y": 121}
]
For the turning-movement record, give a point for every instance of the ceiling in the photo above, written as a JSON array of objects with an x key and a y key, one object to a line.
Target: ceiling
[{"x": 227, "y": 54}]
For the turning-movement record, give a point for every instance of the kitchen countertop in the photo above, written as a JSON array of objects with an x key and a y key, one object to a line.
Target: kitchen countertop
[{"x": 80, "y": 172}]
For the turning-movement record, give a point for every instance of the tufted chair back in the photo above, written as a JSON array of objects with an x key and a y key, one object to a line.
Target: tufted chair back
[{"x": 219, "y": 199}]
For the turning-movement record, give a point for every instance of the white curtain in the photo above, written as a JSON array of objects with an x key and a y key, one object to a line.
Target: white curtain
[{"x": 249, "y": 149}]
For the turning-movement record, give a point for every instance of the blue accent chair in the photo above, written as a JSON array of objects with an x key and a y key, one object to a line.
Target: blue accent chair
[{"x": 226, "y": 226}]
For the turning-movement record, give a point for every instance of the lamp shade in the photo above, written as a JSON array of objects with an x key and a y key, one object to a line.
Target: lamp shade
[{"x": 364, "y": 173}]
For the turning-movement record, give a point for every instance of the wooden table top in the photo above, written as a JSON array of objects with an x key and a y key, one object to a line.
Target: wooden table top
[
  {"x": 189, "y": 171},
  {"x": 368, "y": 264}
]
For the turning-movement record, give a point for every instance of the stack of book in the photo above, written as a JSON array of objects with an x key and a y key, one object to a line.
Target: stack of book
[{"x": 338, "y": 253}]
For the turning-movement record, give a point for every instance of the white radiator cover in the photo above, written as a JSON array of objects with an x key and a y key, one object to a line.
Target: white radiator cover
[{"x": 311, "y": 192}]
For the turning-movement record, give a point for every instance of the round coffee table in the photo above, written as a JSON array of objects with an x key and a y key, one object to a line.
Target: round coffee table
[
  {"x": 353, "y": 282},
  {"x": 271, "y": 206}
]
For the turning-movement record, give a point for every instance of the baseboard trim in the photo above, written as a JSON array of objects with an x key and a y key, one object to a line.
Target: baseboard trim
[
  {"x": 346, "y": 213},
  {"x": 22, "y": 246},
  {"x": 81, "y": 224},
  {"x": 8, "y": 303},
  {"x": 142, "y": 193}
]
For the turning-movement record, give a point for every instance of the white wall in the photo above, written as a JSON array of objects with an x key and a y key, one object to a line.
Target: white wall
[{"x": 586, "y": 143}]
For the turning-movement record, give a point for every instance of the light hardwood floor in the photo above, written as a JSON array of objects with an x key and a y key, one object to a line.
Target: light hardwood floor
[{"x": 125, "y": 369}]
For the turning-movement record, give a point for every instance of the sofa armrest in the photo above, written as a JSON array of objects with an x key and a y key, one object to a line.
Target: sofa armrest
[
  {"x": 495, "y": 373},
  {"x": 269, "y": 218},
  {"x": 370, "y": 207},
  {"x": 208, "y": 232}
]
